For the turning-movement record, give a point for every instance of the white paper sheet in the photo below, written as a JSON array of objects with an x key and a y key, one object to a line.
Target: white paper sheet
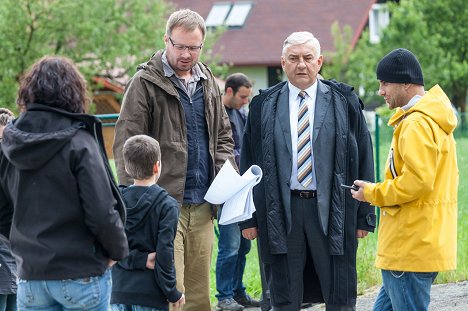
[{"x": 235, "y": 192}]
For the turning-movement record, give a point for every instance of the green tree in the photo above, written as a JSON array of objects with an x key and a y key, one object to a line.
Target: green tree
[
  {"x": 337, "y": 62},
  {"x": 435, "y": 31},
  {"x": 448, "y": 20},
  {"x": 99, "y": 35},
  {"x": 209, "y": 57}
]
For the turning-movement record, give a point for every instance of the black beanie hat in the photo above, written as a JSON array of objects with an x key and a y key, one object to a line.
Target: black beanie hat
[{"x": 400, "y": 66}]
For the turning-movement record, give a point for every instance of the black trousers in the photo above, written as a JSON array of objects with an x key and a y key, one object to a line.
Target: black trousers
[{"x": 306, "y": 241}]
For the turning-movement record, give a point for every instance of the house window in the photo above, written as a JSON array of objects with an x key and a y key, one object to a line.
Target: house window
[
  {"x": 238, "y": 14},
  {"x": 218, "y": 14},
  {"x": 275, "y": 75},
  {"x": 378, "y": 20},
  {"x": 229, "y": 14}
]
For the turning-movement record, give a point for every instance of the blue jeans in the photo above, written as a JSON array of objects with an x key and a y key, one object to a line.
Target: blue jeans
[
  {"x": 121, "y": 307},
  {"x": 90, "y": 293},
  {"x": 404, "y": 291},
  {"x": 230, "y": 264},
  {"x": 8, "y": 302}
]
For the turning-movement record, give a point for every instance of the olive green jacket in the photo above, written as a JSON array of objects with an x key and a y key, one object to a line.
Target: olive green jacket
[{"x": 151, "y": 106}]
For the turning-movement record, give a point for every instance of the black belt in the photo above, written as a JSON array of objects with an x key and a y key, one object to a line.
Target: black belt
[{"x": 305, "y": 194}]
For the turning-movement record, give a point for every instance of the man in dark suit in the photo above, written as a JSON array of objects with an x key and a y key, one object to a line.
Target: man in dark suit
[{"x": 309, "y": 136}]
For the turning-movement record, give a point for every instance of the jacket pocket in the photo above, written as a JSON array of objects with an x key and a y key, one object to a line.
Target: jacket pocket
[{"x": 390, "y": 210}]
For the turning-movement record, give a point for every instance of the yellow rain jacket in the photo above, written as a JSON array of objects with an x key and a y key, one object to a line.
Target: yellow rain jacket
[{"x": 418, "y": 198}]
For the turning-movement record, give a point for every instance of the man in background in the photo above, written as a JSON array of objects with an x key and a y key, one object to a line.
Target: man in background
[{"x": 232, "y": 247}]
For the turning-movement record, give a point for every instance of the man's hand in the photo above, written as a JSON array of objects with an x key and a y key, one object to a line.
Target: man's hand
[
  {"x": 359, "y": 194},
  {"x": 250, "y": 233},
  {"x": 180, "y": 303},
  {"x": 151, "y": 261},
  {"x": 110, "y": 263},
  {"x": 361, "y": 233}
]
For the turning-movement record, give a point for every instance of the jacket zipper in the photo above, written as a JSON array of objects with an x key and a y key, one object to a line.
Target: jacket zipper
[{"x": 392, "y": 164}]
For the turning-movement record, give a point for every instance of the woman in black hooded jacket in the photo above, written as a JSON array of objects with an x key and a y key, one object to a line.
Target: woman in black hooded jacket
[{"x": 57, "y": 194}]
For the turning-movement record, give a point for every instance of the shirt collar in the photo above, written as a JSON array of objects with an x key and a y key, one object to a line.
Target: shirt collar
[
  {"x": 294, "y": 91},
  {"x": 197, "y": 73}
]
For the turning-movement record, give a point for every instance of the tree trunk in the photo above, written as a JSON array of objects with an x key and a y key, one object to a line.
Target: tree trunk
[{"x": 459, "y": 101}]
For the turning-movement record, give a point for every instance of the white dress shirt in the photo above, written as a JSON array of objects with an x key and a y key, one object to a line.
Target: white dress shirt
[{"x": 294, "y": 100}]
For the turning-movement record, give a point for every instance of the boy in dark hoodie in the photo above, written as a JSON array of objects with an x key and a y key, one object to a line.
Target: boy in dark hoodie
[{"x": 152, "y": 216}]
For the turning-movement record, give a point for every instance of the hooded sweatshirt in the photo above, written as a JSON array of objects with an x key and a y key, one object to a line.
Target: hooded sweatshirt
[
  {"x": 58, "y": 196},
  {"x": 418, "y": 198},
  {"x": 152, "y": 217}
]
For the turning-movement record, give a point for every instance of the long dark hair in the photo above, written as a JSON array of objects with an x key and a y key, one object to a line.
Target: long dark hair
[{"x": 54, "y": 81}]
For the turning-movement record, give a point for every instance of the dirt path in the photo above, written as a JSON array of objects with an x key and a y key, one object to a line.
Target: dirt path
[{"x": 444, "y": 297}]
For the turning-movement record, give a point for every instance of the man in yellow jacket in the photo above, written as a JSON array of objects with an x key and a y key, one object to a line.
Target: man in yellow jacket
[{"x": 418, "y": 198}]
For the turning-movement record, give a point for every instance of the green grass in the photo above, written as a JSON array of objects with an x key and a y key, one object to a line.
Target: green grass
[
  {"x": 462, "y": 239},
  {"x": 114, "y": 169}
]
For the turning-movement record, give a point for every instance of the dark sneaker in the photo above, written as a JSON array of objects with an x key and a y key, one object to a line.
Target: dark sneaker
[
  {"x": 247, "y": 301},
  {"x": 228, "y": 304}
]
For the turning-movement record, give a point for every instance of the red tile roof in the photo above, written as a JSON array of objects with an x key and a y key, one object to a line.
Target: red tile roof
[{"x": 269, "y": 22}]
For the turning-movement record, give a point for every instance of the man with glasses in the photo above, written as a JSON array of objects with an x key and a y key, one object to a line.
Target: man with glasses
[{"x": 175, "y": 99}]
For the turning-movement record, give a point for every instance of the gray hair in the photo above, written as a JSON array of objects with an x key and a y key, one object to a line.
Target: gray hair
[
  {"x": 5, "y": 116},
  {"x": 301, "y": 37},
  {"x": 187, "y": 19}
]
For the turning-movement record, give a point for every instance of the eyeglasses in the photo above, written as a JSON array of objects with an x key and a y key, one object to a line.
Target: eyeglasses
[{"x": 182, "y": 47}]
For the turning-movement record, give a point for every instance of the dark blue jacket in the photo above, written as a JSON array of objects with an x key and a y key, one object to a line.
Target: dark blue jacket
[
  {"x": 197, "y": 179},
  {"x": 152, "y": 216},
  {"x": 237, "y": 120}
]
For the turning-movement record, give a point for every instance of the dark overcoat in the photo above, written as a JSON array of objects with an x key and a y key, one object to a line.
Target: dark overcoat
[{"x": 342, "y": 149}]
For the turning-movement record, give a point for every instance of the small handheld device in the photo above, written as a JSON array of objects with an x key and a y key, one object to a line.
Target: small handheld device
[{"x": 353, "y": 187}]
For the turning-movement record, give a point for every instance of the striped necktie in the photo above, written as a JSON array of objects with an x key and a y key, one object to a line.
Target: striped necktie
[{"x": 304, "y": 145}]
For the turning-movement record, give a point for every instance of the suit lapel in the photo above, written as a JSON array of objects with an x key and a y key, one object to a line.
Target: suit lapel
[
  {"x": 324, "y": 150},
  {"x": 282, "y": 115},
  {"x": 282, "y": 137},
  {"x": 322, "y": 104}
]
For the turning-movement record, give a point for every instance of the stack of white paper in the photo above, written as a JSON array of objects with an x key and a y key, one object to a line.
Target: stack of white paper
[{"x": 235, "y": 192}]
